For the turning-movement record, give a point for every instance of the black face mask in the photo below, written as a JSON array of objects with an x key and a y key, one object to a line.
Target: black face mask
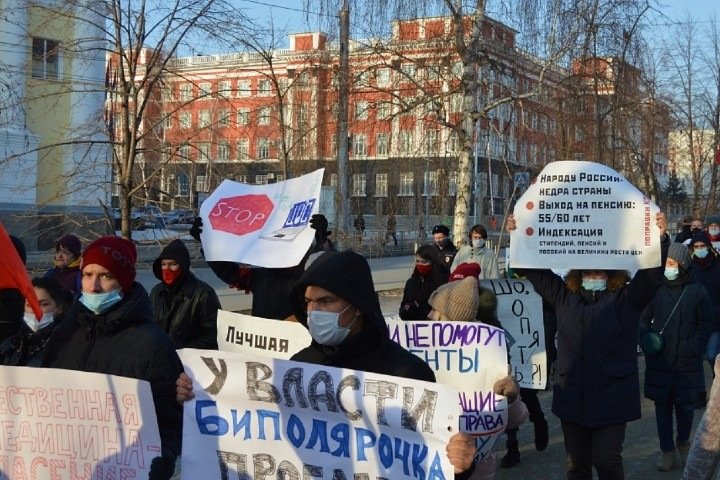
[{"x": 696, "y": 229}]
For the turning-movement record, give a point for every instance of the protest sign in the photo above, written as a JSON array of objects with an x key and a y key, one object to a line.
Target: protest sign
[
  {"x": 469, "y": 356},
  {"x": 519, "y": 309},
  {"x": 64, "y": 424},
  {"x": 584, "y": 215},
  {"x": 270, "y": 418},
  {"x": 263, "y": 336},
  {"x": 264, "y": 225}
]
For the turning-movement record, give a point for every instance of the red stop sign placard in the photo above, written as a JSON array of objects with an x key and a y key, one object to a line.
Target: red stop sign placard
[{"x": 242, "y": 214}]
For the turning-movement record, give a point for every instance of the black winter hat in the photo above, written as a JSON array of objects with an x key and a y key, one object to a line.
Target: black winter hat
[
  {"x": 701, "y": 236},
  {"x": 175, "y": 250},
  {"x": 347, "y": 275},
  {"x": 441, "y": 229}
]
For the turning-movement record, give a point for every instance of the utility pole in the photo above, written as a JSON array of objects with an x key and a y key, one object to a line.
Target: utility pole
[{"x": 342, "y": 220}]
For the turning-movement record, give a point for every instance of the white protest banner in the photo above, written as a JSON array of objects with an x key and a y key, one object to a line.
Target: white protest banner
[
  {"x": 519, "y": 309},
  {"x": 270, "y": 418},
  {"x": 469, "y": 356},
  {"x": 264, "y": 225},
  {"x": 64, "y": 424},
  {"x": 263, "y": 336},
  {"x": 584, "y": 215}
]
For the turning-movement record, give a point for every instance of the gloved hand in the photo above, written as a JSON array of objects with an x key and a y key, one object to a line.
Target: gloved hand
[
  {"x": 162, "y": 467},
  {"x": 508, "y": 387},
  {"x": 319, "y": 223},
  {"x": 196, "y": 228}
]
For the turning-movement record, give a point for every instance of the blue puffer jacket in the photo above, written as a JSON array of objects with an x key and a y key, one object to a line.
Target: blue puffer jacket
[{"x": 596, "y": 379}]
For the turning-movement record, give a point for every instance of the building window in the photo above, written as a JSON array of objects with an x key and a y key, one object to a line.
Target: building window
[
  {"x": 264, "y": 116},
  {"x": 224, "y": 89},
  {"x": 185, "y": 119},
  {"x": 383, "y": 77},
  {"x": 224, "y": 117},
  {"x": 430, "y": 184},
  {"x": 432, "y": 142},
  {"x": 186, "y": 92},
  {"x": 204, "y": 119},
  {"x": 264, "y": 88},
  {"x": 358, "y": 184},
  {"x": 382, "y": 145},
  {"x": 168, "y": 121},
  {"x": 184, "y": 151},
  {"x": 360, "y": 145},
  {"x": 381, "y": 184},
  {"x": 166, "y": 93},
  {"x": 223, "y": 150},
  {"x": 406, "y": 184},
  {"x": 205, "y": 89},
  {"x": 243, "y": 88},
  {"x": 408, "y": 70},
  {"x": 202, "y": 183},
  {"x": 261, "y": 179},
  {"x": 242, "y": 149},
  {"x": 406, "y": 141},
  {"x": 263, "y": 148},
  {"x": 333, "y": 180},
  {"x": 452, "y": 184},
  {"x": 45, "y": 58},
  {"x": 183, "y": 185},
  {"x": 383, "y": 110},
  {"x": 203, "y": 152},
  {"x": 452, "y": 143},
  {"x": 361, "y": 109},
  {"x": 243, "y": 116}
]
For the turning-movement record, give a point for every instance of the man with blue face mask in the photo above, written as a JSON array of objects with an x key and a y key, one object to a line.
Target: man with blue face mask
[
  {"x": 596, "y": 390},
  {"x": 110, "y": 330}
]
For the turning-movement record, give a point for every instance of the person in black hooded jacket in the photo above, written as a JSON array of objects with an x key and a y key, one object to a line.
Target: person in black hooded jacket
[
  {"x": 184, "y": 306},
  {"x": 110, "y": 330}
]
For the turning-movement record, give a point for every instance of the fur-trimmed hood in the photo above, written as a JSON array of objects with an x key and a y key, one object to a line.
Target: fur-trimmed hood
[{"x": 616, "y": 280}]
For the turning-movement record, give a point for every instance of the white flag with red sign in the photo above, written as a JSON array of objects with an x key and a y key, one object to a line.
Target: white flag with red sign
[{"x": 263, "y": 225}]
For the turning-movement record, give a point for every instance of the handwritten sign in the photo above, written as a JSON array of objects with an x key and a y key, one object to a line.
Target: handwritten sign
[
  {"x": 264, "y": 418},
  {"x": 469, "y": 356},
  {"x": 584, "y": 215},
  {"x": 262, "y": 336},
  {"x": 264, "y": 225},
  {"x": 520, "y": 312},
  {"x": 64, "y": 424}
]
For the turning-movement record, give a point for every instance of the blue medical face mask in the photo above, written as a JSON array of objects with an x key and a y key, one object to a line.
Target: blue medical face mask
[
  {"x": 35, "y": 324},
  {"x": 701, "y": 252},
  {"x": 478, "y": 242},
  {"x": 594, "y": 284},
  {"x": 325, "y": 328},
  {"x": 671, "y": 273},
  {"x": 100, "y": 302}
]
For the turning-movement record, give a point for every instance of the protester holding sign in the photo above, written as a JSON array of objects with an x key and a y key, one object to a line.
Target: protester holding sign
[
  {"x": 110, "y": 330},
  {"x": 681, "y": 314},
  {"x": 477, "y": 252},
  {"x": 596, "y": 389}
]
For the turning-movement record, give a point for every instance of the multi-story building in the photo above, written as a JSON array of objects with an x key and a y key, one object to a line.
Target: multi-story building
[
  {"x": 51, "y": 98},
  {"x": 264, "y": 116}
]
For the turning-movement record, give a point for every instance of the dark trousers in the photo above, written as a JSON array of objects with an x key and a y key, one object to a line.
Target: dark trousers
[
  {"x": 531, "y": 401},
  {"x": 594, "y": 447},
  {"x": 684, "y": 413}
]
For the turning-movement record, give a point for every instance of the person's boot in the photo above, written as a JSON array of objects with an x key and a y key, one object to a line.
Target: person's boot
[
  {"x": 512, "y": 457},
  {"x": 541, "y": 435},
  {"x": 683, "y": 450},
  {"x": 666, "y": 462}
]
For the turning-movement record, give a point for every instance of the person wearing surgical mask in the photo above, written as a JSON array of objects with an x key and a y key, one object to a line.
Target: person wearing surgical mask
[
  {"x": 706, "y": 271},
  {"x": 681, "y": 313},
  {"x": 478, "y": 252},
  {"x": 26, "y": 348},
  {"x": 713, "y": 231},
  {"x": 596, "y": 384},
  {"x": 109, "y": 329}
]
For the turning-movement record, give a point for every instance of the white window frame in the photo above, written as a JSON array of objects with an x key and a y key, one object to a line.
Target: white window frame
[
  {"x": 381, "y": 184},
  {"x": 264, "y": 114},
  {"x": 360, "y": 145},
  {"x": 243, "y": 116},
  {"x": 204, "y": 90},
  {"x": 223, "y": 150},
  {"x": 382, "y": 144},
  {"x": 204, "y": 118},
  {"x": 264, "y": 87},
  {"x": 406, "y": 185},
  {"x": 263, "y": 148},
  {"x": 223, "y": 117},
  {"x": 244, "y": 88},
  {"x": 361, "y": 110},
  {"x": 45, "y": 59},
  {"x": 359, "y": 184},
  {"x": 186, "y": 92},
  {"x": 224, "y": 88},
  {"x": 185, "y": 119},
  {"x": 242, "y": 149}
]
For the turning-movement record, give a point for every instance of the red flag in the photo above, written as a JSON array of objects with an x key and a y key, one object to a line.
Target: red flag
[{"x": 13, "y": 273}]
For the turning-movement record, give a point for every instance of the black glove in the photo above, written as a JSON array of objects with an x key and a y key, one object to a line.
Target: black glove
[
  {"x": 320, "y": 224},
  {"x": 196, "y": 228},
  {"x": 162, "y": 467}
]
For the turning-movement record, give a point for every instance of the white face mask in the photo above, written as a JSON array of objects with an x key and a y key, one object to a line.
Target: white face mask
[
  {"x": 478, "y": 242},
  {"x": 594, "y": 284},
  {"x": 35, "y": 324},
  {"x": 325, "y": 328},
  {"x": 714, "y": 231}
]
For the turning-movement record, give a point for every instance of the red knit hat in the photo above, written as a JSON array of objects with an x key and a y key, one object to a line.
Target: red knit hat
[
  {"x": 117, "y": 255},
  {"x": 467, "y": 269}
]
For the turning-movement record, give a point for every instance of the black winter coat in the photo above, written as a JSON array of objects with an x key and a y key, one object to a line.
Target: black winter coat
[
  {"x": 187, "y": 312},
  {"x": 675, "y": 375},
  {"x": 414, "y": 304},
  {"x": 26, "y": 348},
  {"x": 124, "y": 341},
  {"x": 596, "y": 371},
  {"x": 706, "y": 272}
]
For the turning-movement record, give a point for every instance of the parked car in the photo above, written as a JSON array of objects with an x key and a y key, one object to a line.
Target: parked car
[{"x": 175, "y": 217}]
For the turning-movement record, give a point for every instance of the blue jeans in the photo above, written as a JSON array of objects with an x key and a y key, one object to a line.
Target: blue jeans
[
  {"x": 664, "y": 418},
  {"x": 713, "y": 348}
]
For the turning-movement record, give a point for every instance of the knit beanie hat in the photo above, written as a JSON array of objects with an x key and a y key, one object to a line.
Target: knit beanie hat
[
  {"x": 680, "y": 253},
  {"x": 701, "y": 236},
  {"x": 175, "y": 250},
  {"x": 466, "y": 269},
  {"x": 117, "y": 255},
  {"x": 457, "y": 301},
  {"x": 69, "y": 242}
]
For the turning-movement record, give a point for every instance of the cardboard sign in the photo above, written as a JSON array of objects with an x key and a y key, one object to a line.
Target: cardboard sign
[
  {"x": 469, "y": 356},
  {"x": 262, "y": 418},
  {"x": 584, "y": 215},
  {"x": 263, "y": 225},
  {"x": 65, "y": 424}
]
